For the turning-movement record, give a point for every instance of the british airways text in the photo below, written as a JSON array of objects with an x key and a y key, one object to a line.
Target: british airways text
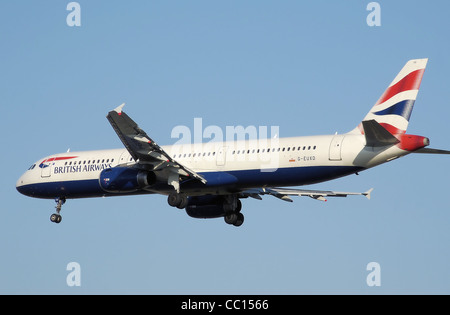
[{"x": 80, "y": 168}]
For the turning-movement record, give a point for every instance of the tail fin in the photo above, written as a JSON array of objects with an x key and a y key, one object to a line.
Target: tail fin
[{"x": 393, "y": 109}]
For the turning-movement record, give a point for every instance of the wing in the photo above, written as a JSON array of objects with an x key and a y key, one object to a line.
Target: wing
[
  {"x": 284, "y": 193},
  {"x": 146, "y": 151}
]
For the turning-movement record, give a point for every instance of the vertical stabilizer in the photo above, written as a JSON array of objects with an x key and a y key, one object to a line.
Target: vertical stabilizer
[{"x": 394, "y": 108}]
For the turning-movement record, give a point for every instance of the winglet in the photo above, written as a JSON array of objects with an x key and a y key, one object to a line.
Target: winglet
[
  {"x": 118, "y": 109},
  {"x": 367, "y": 193}
]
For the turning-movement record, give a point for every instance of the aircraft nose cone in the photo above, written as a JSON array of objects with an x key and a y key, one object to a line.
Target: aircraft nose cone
[
  {"x": 426, "y": 141},
  {"x": 22, "y": 188},
  {"x": 19, "y": 186}
]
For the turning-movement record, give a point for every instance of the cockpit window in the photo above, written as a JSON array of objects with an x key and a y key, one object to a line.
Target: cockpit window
[{"x": 31, "y": 167}]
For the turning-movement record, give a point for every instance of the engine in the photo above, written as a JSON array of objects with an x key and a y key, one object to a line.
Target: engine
[
  {"x": 205, "y": 207},
  {"x": 208, "y": 207},
  {"x": 125, "y": 179}
]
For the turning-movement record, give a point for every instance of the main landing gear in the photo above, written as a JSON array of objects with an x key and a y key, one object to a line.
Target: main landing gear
[
  {"x": 177, "y": 200},
  {"x": 56, "y": 217},
  {"x": 234, "y": 216}
]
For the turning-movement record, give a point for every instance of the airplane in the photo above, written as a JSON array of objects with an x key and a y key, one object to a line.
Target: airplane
[{"x": 209, "y": 180}]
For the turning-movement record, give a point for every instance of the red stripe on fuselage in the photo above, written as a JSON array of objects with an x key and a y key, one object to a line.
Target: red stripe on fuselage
[{"x": 59, "y": 159}]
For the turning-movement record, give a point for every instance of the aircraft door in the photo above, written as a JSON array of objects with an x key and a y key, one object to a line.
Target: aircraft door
[
  {"x": 336, "y": 148},
  {"x": 46, "y": 167},
  {"x": 221, "y": 156},
  {"x": 124, "y": 157}
]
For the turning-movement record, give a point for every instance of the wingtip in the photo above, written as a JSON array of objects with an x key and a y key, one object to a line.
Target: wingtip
[
  {"x": 367, "y": 193},
  {"x": 118, "y": 109}
]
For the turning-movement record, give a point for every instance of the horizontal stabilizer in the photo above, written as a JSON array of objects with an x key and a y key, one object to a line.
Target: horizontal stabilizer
[
  {"x": 377, "y": 135},
  {"x": 432, "y": 151}
]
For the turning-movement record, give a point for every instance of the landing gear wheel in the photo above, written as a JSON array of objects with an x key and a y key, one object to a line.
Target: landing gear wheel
[
  {"x": 240, "y": 220},
  {"x": 231, "y": 218},
  {"x": 177, "y": 200},
  {"x": 174, "y": 199},
  {"x": 56, "y": 218},
  {"x": 233, "y": 215},
  {"x": 183, "y": 203}
]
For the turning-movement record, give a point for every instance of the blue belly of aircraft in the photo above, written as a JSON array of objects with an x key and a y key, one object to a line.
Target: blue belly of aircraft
[{"x": 235, "y": 180}]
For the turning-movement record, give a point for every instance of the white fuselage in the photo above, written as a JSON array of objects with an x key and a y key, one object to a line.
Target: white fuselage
[{"x": 253, "y": 163}]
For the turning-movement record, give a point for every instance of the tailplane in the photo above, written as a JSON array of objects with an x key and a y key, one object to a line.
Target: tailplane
[{"x": 393, "y": 110}]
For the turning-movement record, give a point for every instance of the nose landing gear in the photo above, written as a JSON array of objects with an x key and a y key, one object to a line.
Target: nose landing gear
[{"x": 56, "y": 217}]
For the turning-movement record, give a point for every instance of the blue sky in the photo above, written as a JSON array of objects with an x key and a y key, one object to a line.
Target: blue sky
[{"x": 309, "y": 67}]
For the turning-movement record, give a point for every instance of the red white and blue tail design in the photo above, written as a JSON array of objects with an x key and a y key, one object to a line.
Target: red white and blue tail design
[{"x": 394, "y": 108}]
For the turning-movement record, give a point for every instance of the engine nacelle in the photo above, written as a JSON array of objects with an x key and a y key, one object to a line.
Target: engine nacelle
[
  {"x": 207, "y": 207},
  {"x": 125, "y": 179}
]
